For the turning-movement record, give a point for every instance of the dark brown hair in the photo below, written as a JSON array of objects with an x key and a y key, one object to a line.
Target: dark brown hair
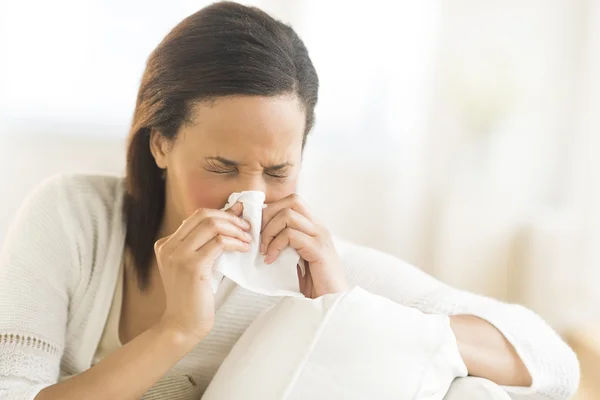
[{"x": 222, "y": 50}]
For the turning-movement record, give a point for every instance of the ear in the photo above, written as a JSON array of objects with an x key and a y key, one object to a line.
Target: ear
[{"x": 159, "y": 147}]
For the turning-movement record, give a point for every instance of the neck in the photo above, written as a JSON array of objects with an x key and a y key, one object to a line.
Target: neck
[{"x": 169, "y": 225}]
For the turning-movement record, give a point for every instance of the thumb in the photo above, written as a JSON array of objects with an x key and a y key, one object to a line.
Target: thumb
[{"x": 237, "y": 209}]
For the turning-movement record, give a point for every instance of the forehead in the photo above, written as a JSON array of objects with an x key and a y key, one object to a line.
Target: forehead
[{"x": 246, "y": 123}]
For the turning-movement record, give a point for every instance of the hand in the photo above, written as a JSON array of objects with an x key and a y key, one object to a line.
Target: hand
[
  {"x": 287, "y": 222},
  {"x": 186, "y": 259}
]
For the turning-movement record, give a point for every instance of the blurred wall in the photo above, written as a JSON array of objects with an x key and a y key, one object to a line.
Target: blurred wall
[
  {"x": 503, "y": 132},
  {"x": 460, "y": 135}
]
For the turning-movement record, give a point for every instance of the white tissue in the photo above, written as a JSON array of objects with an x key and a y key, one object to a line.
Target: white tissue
[{"x": 249, "y": 270}]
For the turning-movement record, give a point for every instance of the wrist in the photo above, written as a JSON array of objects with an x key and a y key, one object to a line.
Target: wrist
[{"x": 179, "y": 337}]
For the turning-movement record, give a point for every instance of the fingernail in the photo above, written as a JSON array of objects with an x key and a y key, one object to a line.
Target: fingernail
[
  {"x": 271, "y": 257},
  {"x": 262, "y": 248},
  {"x": 248, "y": 236},
  {"x": 244, "y": 223}
]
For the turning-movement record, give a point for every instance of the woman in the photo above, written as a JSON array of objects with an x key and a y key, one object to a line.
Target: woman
[{"x": 108, "y": 283}]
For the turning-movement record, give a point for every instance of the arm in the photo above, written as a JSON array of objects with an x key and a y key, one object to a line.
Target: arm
[
  {"x": 487, "y": 353},
  {"x": 37, "y": 277},
  {"x": 128, "y": 372},
  {"x": 44, "y": 258},
  {"x": 40, "y": 269},
  {"x": 550, "y": 363}
]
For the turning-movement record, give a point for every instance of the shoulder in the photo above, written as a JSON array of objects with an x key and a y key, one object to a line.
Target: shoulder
[
  {"x": 67, "y": 227},
  {"x": 76, "y": 196},
  {"x": 90, "y": 207},
  {"x": 75, "y": 202},
  {"x": 78, "y": 215},
  {"x": 84, "y": 210},
  {"x": 76, "y": 188}
]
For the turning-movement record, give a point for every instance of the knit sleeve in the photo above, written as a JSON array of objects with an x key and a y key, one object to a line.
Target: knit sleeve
[
  {"x": 552, "y": 364},
  {"x": 37, "y": 268}
]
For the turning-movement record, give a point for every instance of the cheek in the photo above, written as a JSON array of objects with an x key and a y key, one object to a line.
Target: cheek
[
  {"x": 200, "y": 192},
  {"x": 279, "y": 191}
]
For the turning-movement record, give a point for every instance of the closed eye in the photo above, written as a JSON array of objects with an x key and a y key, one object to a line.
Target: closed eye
[
  {"x": 278, "y": 175},
  {"x": 219, "y": 169},
  {"x": 222, "y": 171},
  {"x": 279, "y": 172}
]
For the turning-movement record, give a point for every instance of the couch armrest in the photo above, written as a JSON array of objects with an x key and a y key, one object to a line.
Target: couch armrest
[{"x": 475, "y": 388}]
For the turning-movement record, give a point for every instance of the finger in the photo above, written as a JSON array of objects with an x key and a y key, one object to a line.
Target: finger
[
  {"x": 160, "y": 242},
  {"x": 305, "y": 245},
  {"x": 292, "y": 201},
  {"x": 206, "y": 257},
  {"x": 237, "y": 209},
  {"x": 200, "y": 215},
  {"x": 161, "y": 246},
  {"x": 208, "y": 229},
  {"x": 286, "y": 218}
]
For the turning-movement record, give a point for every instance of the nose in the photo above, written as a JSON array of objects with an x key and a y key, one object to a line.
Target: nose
[{"x": 252, "y": 183}]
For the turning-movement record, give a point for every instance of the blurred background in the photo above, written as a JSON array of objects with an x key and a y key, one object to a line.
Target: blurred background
[{"x": 459, "y": 135}]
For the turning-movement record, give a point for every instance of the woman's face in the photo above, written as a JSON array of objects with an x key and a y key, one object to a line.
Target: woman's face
[{"x": 234, "y": 144}]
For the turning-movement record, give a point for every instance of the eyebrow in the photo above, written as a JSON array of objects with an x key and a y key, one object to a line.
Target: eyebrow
[{"x": 231, "y": 163}]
